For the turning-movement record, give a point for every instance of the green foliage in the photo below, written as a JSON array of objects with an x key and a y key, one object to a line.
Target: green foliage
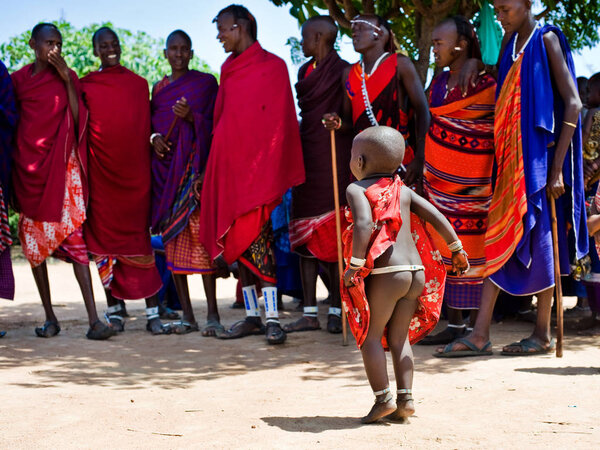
[
  {"x": 13, "y": 222},
  {"x": 141, "y": 52},
  {"x": 296, "y": 54},
  {"x": 578, "y": 20}
]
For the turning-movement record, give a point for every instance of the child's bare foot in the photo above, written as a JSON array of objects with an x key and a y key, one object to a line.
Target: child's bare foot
[
  {"x": 405, "y": 407},
  {"x": 380, "y": 409}
]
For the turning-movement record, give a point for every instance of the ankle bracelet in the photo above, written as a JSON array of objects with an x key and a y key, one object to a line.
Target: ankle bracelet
[{"x": 404, "y": 391}]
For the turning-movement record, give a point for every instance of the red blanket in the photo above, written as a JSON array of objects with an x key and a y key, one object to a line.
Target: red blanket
[
  {"x": 255, "y": 155},
  {"x": 46, "y": 134},
  {"x": 119, "y": 163}
]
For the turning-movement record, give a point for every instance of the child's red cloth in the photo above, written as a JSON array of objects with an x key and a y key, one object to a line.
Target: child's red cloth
[{"x": 384, "y": 197}]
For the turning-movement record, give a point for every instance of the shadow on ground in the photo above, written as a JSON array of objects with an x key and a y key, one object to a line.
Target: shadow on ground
[{"x": 129, "y": 361}]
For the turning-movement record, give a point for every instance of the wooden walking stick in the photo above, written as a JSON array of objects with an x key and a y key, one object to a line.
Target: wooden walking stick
[
  {"x": 338, "y": 230},
  {"x": 557, "y": 284},
  {"x": 171, "y": 128}
]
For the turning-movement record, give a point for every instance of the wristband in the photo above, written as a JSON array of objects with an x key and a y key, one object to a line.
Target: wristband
[
  {"x": 357, "y": 263},
  {"x": 152, "y": 136},
  {"x": 455, "y": 246}
]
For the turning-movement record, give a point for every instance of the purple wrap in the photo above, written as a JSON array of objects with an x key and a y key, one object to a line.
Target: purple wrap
[{"x": 172, "y": 197}]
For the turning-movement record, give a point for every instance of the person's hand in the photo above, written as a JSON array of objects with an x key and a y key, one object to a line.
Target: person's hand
[
  {"x": 331, "y": 121},
  {"x": 197, "y": 188},
  {"x": 56, "y": 60},
  {"x": 460, "y": 262},
  {"x": 414, "y": 171},
  {"x": 161, "y": 146},
  {"x": 556, "y": 186},
  {"x": 349, "y": 277},
  {"x": 468, "y": 75},
  {"x": 182, "y": 110}
]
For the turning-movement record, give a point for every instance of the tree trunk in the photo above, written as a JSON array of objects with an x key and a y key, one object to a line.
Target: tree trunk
[{"x": 424, "y": 28}]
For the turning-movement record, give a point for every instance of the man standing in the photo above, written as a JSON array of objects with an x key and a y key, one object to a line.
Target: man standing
[
  {"x": 50, "y": 172},
  {"x": 255, "y": 157},
  {"x": 312, "y": 226},
  {"x": 117, "y": 231}
]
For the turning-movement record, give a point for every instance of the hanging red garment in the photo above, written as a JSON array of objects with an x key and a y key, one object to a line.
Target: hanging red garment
[{"x": 384, "y": 198}]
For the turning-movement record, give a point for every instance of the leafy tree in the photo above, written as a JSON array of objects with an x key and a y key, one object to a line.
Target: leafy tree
[
  {"x": 413, "y": 20},
  {"x": 141, "y": 52}
]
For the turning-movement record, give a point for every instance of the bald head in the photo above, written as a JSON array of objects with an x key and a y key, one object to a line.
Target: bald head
[
  {"x": 381, "y": 148},
  {"x": 324, "y": 25}
]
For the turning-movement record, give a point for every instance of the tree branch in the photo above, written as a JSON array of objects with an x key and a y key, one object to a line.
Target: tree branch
[
  {"x": 336, "y": 13},
  {"x": 368, "y": 6},
  {"x": 420, "y": 7},
  {"x": 442, "y": 7},
  {"x": 349, "y": 9}
]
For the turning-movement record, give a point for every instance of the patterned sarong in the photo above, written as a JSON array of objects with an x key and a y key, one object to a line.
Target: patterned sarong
[
  {"x": 7, "y": 279},
  {"x": 509, "y": 203},
  {"x": 459, "y": 157},
  {"x": 318, "y": 235},
  {"x": 382, "y": 90},
  {"x": 260, "y": 256},
  {"x": 62, "y": 239},
  {"x": 384, "y": 197}
]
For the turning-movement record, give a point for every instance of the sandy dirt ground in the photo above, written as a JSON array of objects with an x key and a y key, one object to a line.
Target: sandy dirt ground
[{"x": 142, "y": 391}]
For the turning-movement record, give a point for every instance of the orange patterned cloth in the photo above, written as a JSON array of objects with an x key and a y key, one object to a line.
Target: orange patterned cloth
[
  {"x": 384, "y": 197},
  {"x": 185, "y": 253},
  {"x": 42, "y": 239},
  {"x": 509, "y": 202}
]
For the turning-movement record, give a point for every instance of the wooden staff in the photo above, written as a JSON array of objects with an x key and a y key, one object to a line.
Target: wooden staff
[
  {"x": 338, "y": 230},
  {"x": 171, "y": 128},
  {"x": 557, "y": 284}
]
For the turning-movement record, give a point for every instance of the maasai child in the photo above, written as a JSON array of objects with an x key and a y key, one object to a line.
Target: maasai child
[
  {"x": 50, "y": 172},
  {"x": 459, "y": 156},
  {"x": 391, "y": 265},
  {"x": 379, "y": 89},
  {"x": 8, "y": 124},
  {"x": 255, "y": 157},
  {"x": 537, "y": 143},
  {"x": 188, "y": 97},
  {"x": 118, "y": 227},
  {"x": 312, "y": 227}
]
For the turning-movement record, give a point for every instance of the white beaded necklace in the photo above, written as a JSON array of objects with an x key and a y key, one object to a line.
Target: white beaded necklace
[
  {"x": 515, "y": 55},
  {"x": 365, "y": 93}
]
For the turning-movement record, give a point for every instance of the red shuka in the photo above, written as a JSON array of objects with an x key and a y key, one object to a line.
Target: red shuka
[
  {"x": 255, "y": 154},
  {"x": 119, "y": 163},
  {"x": 46, "y": 135}
]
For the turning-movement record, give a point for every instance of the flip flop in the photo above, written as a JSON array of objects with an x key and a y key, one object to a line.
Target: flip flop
[
  {"x": 2, "y": 334},
  {"x": 473, "y": 350},
  {"x": 99, "y": 331},
  {"x": 49, "y": 329},
  {"x": 528, "y": 344},
  {"x": 237, "y": 330},
  {"x": 212, "y": 325},
  {"x": 334, "y": 324},
  {"x": 292, "y": 328},
  {"x": 275, "y": 334},
  {"x": 183, "y": 327}
]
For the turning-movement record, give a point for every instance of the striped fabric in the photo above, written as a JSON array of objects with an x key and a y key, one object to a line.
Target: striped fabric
[
  {"x": 318, "y": 234},
  {"x": 509, "y": 203},
  {"x": 459, "y": 157}
]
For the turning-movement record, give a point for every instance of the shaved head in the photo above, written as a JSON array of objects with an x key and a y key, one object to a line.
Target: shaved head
[
  {"x": 382, "y": 149},
  {"x": 324, "y": 25}
]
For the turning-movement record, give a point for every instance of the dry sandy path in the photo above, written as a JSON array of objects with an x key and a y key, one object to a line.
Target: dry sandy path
[{"x": 140, "y": 391}]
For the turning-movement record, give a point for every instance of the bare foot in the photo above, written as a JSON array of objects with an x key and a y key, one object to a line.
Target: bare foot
[
  {"x": 379, "y": 410},
  {"x": 405, "y": 408},
  {"x": 304, "y": 323}
]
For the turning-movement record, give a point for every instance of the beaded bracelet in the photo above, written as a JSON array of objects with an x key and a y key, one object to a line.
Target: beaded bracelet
[{"x": 455, "y": 246}]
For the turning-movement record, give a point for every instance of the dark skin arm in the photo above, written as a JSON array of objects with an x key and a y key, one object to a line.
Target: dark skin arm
[
  {"x": 426, "y": 211},
  {"x": 411, "y": 84},
  {"x": 363, "y": 225},
  {"x": 331, "y": 121},
  {"x": 593, "y": 221},
  {"x": 473, "y": 66},
  {"x": 568, "y": 92},
  {"x": 181, "y": 109},
  {"x": 58, "y": 62}
]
